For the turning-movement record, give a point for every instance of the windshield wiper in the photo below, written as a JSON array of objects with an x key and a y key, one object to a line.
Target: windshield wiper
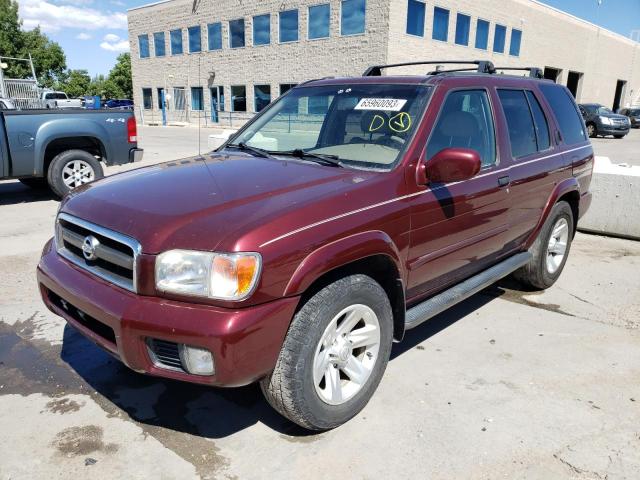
[
  {"x": 332, "y": 160},
  {"x": 255, "y": 150}
]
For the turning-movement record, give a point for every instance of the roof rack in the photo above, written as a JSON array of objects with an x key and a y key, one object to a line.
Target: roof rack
[
  {"x": 534, "y": 72},
  {"x": 484, "y": 66}
]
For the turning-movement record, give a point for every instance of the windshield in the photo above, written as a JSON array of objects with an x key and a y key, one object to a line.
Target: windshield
[
  {"x": 634, "y": 112},
  {"x": 604, "y": 111},
  {"x": 359, "y": 125}
]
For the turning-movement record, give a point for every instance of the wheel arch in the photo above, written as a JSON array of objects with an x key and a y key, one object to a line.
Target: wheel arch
[
  {"x": 56, "y": 146},
  {"x": 369, "y": 253}
]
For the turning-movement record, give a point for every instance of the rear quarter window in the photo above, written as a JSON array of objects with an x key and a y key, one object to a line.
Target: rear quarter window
[{"x": 564, "y": 108}]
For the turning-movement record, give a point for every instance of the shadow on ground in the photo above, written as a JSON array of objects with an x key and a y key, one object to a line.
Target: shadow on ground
[
  {"x": 205, "y": 411},
  {"x": 13, "y": 193}
]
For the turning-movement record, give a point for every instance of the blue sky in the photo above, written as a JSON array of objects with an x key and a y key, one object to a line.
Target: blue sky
[{"x": 94, "y": 32}]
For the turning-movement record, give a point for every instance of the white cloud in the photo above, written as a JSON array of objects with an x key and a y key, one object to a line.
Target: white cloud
[
  {"x": 114, "y": 43},
  {"x": 53, "y": 17},
  {"x": 83, "y": 36}
]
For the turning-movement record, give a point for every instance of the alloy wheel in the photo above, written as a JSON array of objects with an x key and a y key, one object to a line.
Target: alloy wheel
[
  {"x": 76, "y": 173},
  {"x": 557, "y": 246}
]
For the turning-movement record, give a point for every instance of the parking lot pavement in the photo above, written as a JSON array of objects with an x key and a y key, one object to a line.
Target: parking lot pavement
[
  {"x": 620, "y": 150},
  {"x": 505, "y": 385}
]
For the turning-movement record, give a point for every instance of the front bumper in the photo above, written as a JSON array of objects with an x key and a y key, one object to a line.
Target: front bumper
[
  {"x": 135, "y": 155},
  {"x": 612, "y": 130},
  {"x": 245, "y": 343}
]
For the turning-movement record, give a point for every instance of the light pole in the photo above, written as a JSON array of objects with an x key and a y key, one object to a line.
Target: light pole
[{"x": 164, "y": 97}]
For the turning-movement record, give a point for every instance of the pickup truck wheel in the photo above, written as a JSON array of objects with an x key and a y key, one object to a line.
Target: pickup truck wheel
[
  {"x": 550, "y": 250},
  {"x": 334, "y": 354},
  {"x": 70, "y": 169}
]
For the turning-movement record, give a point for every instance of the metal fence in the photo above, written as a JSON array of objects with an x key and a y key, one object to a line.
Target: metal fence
[{"x": 23, "y": 92}]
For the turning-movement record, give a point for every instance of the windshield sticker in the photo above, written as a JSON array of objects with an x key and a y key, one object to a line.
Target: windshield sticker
[
  {"x": 400, "y": 123},
  {"x": 384, "y": 104},
  {"x": 377, "y": 122}
]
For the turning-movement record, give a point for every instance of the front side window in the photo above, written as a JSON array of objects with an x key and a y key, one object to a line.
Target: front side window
[
  {"x": 236, "y": 33},
  {"x": 516, "y": 39},
  {"x": 465, "y": 121},
  {"x": 195, "y": 39},
  {"x": 482, "y": 34},
  {"x": 176, "y": 42},
  {"x": 289, "y": 26},
  {"x": 147, "y": 98},
  {"x": 238, "y": 98},
  {"x": 319, "y": 21},
  {"x": 564, "y": 108},
  {"x": 158, "y": 44},
  {"x": 440, "y": 24},
  {"x": 262, "y": 29},
  {"x": 463, "y": 24},
  {"x": 498, "y": 38},
  {"x": 352, "y": 18},
  {"x": 214, "y": 36},
  {"x": 365, "y": 126},
  {"x": 143, "y": 44},
  {"x": 197, "y": 98},
  {"x": 415, "y": 17},
  {"x": 262, "y": 96},
  {"x": 522, "y": 134}
]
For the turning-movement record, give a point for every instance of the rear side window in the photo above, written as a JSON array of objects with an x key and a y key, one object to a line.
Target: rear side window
[
  {"x": 465, "y": 121},
  {"x": 522, "y": 134},
  {"x": 539, "y": 121},
  {"x": 569, "y": 122}
]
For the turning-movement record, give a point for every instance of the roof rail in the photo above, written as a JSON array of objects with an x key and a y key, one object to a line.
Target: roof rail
[
  {"x": 484, "y": 66},
  {"x": 534, "y": 72}
]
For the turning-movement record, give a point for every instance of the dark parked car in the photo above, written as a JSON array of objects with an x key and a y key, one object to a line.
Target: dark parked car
[
  {"x": 600, "y": 120},
  {"x": 634, "y": 115},
  {"x": 119, "y": 104},
  {"x": 296, "y": 253}
]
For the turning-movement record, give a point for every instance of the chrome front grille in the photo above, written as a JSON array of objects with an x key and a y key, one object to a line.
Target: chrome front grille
[{"x": 103, "y": 252}]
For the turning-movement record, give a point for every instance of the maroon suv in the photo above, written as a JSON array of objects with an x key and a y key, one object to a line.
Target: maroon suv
[{"x": 349, "y": 211}]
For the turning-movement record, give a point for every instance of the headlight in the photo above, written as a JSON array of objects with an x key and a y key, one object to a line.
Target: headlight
[
  {"x": 224, "y": 276},
  {"x": 605, "y": 120}
]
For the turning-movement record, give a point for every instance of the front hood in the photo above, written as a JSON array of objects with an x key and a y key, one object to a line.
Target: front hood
[{"x": 195, "y": 203}]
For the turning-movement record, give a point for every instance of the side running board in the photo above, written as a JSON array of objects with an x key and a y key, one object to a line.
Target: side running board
[{"x": 435, "y": 305}]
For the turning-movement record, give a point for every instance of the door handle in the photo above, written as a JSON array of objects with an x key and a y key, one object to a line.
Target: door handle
[{"x": 504, "y": 181}]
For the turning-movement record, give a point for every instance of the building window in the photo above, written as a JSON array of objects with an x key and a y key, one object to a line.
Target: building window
[
  {"x": 463, "y": 24},
  {"x": 197, "y": 98},
  {"x": 262, "y": 96},
  {"x": 262, "y": 29},
  {"x": 440, "y": 24},
  {"x": 195, "y": 39},
  {"x": 482, "y": 34},
  {"x": 236, "y": 33},
  {"x": 415, "y": 17},
  {"x": 352, "y": 18},
  {"x": 147, "y": 98},
  {"x": 498, "y": 38},
  {"x": 516, "y": 38},
  {"x": 158, "y": 43},
  {"x": 238, "y": 98},
  {"x": 160, "y": 90},
  {"x": 319, "y": 21},
  {"x": 289, "y": 26},
  {"x": 217, "y": 98},
  {"x": 214, "y": 36},
  {"x": 143, "y": 43},
  {"x": 176, "y": 42},
  {"x": 285, "y": 87},
  {"x": 179, "y": 98}
]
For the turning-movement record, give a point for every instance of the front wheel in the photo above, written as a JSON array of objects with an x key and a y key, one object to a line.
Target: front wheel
[
  {"x": 591, "y": 130},
  {"x": 619, "y": 136},
  {"x": 334, "y": 354},
  {"x": 71, "y": 169}
]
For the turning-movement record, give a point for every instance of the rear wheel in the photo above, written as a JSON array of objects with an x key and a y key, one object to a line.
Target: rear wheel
[
  {"x": 71, "y": 169},
  {"x": 591, "y": 130},
  {"x": 334, "y": 354},
  {"x": 550, "y": 250}
]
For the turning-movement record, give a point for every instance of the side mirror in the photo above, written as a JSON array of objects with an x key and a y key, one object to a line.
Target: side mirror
[{"x": 450, "y": 165}]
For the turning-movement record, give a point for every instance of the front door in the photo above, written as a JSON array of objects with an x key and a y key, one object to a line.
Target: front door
[{"x": 459, "y": 228}]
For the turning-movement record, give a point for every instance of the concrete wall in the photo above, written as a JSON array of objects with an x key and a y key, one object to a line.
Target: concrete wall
[{"x": 550, "y": 38}]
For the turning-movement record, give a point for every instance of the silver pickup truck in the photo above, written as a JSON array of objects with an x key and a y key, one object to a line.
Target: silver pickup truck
[{"x": 64, "y": 149}]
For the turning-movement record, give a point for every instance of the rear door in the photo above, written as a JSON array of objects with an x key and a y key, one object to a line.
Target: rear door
[{"x": 458, "y": 228}]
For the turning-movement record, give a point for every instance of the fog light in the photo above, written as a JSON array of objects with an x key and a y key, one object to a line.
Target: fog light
[{"x": 197, "y": 361}]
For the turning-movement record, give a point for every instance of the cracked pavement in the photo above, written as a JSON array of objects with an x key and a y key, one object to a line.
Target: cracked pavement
[{"x": 505, "y": 385}]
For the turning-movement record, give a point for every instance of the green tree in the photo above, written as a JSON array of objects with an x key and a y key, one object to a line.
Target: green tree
[
  {"x": 75, "y": 83},
  {"x": 120, "y": 77}
]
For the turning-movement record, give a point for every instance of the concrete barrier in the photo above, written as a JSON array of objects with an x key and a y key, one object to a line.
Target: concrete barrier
[{"x": 615, "y": 208}]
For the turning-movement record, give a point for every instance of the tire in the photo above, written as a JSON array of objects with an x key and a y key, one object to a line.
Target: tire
[
  {"x": 618, "y": 136},
  {"x": 66, "y": 164},
  {"x": 592, "y": 131},
  {"x": 292, "y": 388},
  {"x": 35, "y": 183},
  {"x": 541, "y": 272}
]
